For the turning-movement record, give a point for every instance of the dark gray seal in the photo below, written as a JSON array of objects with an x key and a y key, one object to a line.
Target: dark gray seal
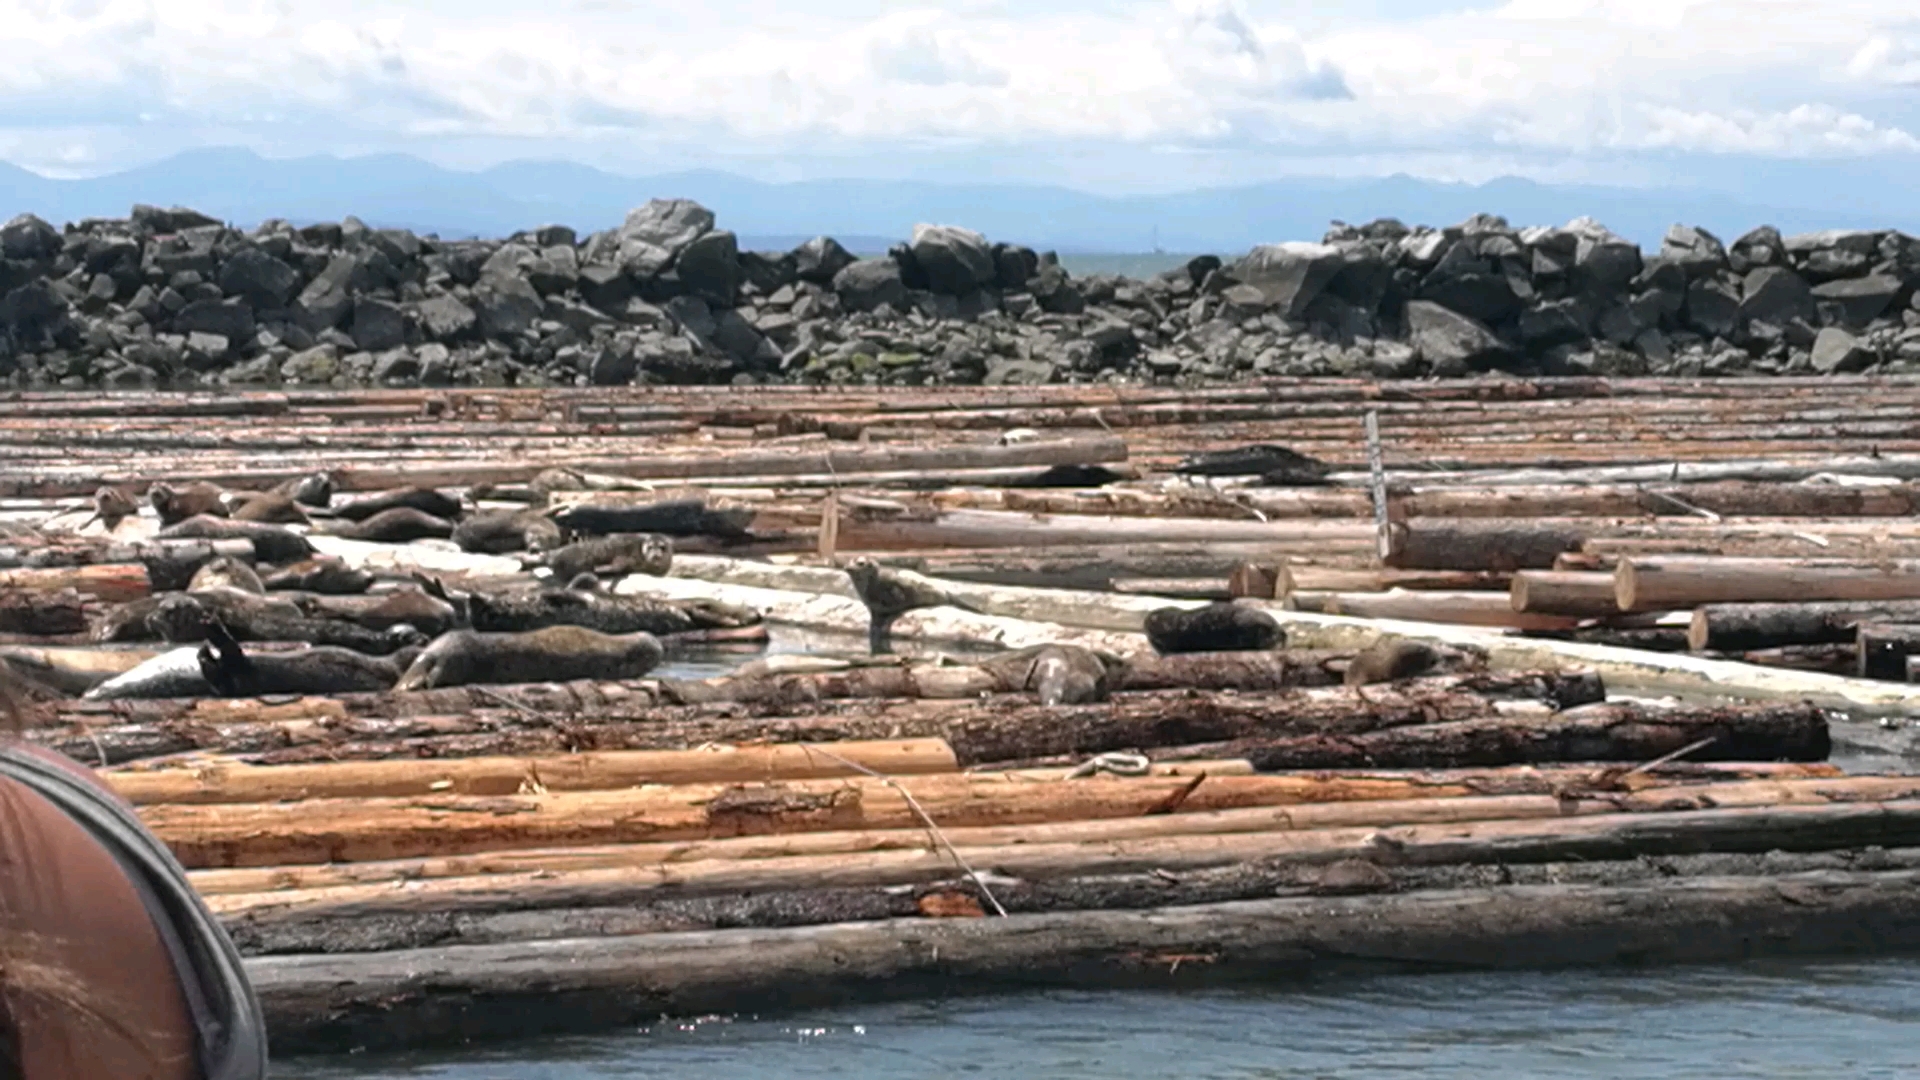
[
  {"x": 611, "y": 556},
  {"x": 175, "y": 505},
  {"x": 397, "y": 525},
  {"x": 1057, "y": 674},
  {"x": 184, "y": 617},
  {"x": 1222, "y": 626},
  {"x": 429, "y": 501},
  {"x": 326, "y": 574},
  {"x": 314, "y": 489},
  {"x": 608, "y": 614},
  {"x": 321, "y": 669},
  {"x": 889, "y": 593},
  {"x": 504, "y": 532},
  {"x": 112, "y": 504},
  {"x": 552, "y": 654},
  {"x": 271, "y": 543},
  {"x": 1390, "y": 659},
  {"x": 225, "y": 571},
  {"x": 272, "y": 507}
]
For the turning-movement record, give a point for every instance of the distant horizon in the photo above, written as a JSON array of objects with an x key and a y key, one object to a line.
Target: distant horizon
[{"x": 243, "y": 186}]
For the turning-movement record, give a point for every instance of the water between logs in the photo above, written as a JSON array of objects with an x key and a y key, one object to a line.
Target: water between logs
[{"x": 1859, "y": 1019}]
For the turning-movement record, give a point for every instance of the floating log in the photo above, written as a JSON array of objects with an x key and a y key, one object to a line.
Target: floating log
[
  {"x": 1094, "y": 566},
  {"x": 1563, "y": 592},
  {"x": 26, "y": 611},
  {"x": 1000, "y": 529},
  {"x": 1290, "y": 578},
  {"x": 230, "y": 782},
  {"x": 1664, "y": 583},
  {"x": 1744, "y": 627},
  {"x": 1201, "y": 588},
  {"x": 1882, "y": 649},
  {"x": 411, "y": 997},
  {"x": 112, "y": 583}
]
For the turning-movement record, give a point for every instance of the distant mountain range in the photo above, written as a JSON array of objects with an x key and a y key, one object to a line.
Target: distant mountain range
[{"x": 866, "y": 215}]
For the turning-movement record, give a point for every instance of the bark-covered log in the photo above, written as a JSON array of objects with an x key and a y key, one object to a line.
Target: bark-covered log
[
  {"x": 1611, "y": 731},
  {"x": 1669, "y": 582},
  {"x": 1473, "y": 544},
  {"x": 1742, "y": 627},
  {"x": 42, "y": 614},
  {"x": 593, "y": 716},
  {"x": 273, "y": 932}
]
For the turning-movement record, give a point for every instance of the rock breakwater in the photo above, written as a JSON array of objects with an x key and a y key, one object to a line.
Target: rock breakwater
[{"x": 172, "y": 297}]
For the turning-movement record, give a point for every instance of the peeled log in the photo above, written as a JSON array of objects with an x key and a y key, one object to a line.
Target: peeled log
[
  {"x": 43, "y": 614},
  {"x": 1430, "y": 798},
  {"x": 1485, "y": 545},
  {"x": 1460, "y": 608},
  {"x": 1744, "y": 627},
  {"x": 1670, "y": 582},
  {"x": 114, "y": 583},
  {"x": 1335, "y": 579},
  {"x": 1609, "y": 731},
  {"x": 1564, "y": 592},
  {"x": 1094, "y": 566},
  {"x": 1883, "y": 649},
  {"x": 1003, "y": 529},
  {"x": 230, "y": 782}
]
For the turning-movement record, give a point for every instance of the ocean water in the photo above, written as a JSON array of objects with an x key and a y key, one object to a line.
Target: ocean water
[{"x": 1838, "y": 1020}]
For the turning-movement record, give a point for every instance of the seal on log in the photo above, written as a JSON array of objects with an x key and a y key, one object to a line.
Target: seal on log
[
  {"x": 225, "y": 571},
  {"x": 172, "y": 674},
  {"x": 184, "y": 617},
  {"x": 271, "y": 543},
  {"x": 1056, "y": 674},
  {"x": 614, "y": 555},
  {"x": 1275, "y": 465},
  {"x": 429, "y": 501},
  {"x": 669, "y": 517},
  {"x": 395, "y": 525},
  {"x": 314, "y": 489},
  {"x": 550, "y": 654},
  {"x": 536, "y": 608},
  {"x": 889, "y": 593},
  {"x": 320, "y": 669},
  {"x": 410, "y": 606},
  {"x": 1390, "y": 659},
  {"x": 112, "y": 504},
  {"x": 273, "y": 507},
  {"x": 175, "y": 505},
  {"x": 1222, "y": 626},
  {"x": 326, "y": 574},
  {"x": 503, "y": 532}
]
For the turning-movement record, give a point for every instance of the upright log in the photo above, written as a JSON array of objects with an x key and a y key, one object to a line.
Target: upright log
[{"x": 1882, "y": 649}]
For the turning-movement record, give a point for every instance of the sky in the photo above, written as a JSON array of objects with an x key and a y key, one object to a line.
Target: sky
[{"x": 1110, "y": 96}]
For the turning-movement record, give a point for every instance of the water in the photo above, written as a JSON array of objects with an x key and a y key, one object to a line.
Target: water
[{"x": 1853, "y": 1020}]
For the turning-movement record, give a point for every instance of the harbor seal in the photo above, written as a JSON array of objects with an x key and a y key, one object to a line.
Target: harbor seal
[
  {"x": 326, "y": 574},
  {"x": 551, "y": 654},
  {"x": 409, "y": 606},
  {"x": 611, "y": 556},
  {"x": 504, "y": 532},
  {"x": 172, "y": 674},
  {"x": 175, "y": 505},
  {"x": 272, "y": 507},
  {"x": 889, "y": 593},
  {"x": 112, "y": 504},
  {"x": 668, "y": 517},
  {"x": 1389, "y": 659},
  {"x": 396, "y": 525},
  {"x": 138, "y": 620},
  {"x": 314, "y": 489},
  {"x": 271, "y": 543},
  {"x": 533, "y": 609},
  {"x": 184, "y": 617},
  {"x": 429, "y": 501},
  {"x": 1057, "y": 674},
  {"x": 1222, "y": 626},
  {"x": 320, "y": 669},
  {"x": 229, "y": 572},
  {"x": 1278, "y": 466}
]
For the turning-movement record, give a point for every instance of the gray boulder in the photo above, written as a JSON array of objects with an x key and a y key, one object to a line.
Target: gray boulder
[
  {"x": 231, "y": 319},
  {"x": 870, "y": 284},
  {"x": 1713, "y": 307},
  {"x": 1695, "y": 251},
  {"x": 1855, "y": 302},
  {"x": 1451, "y": 343},
  {"x": 328, "y": 299},
  {"x": 820, "y": 259},
  {"x": 378, "y": 325},
  {"x": 652, "y": 236},
  {"x": 1290, "y": 274},
  {"x": 507, "y": 307},
  {"x": 956, "y": 261},
  {"x": 258, "y": 278},
  {"x": 445, "y": 318},
  {"x": 1837, "y": 352},
  {"x": 1776, "y": 295},
  {"x": 709, "y": 267},
  {"x": 28, "y": 237}
]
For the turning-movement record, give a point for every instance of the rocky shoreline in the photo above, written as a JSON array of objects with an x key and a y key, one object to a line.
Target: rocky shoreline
[{"x": 173, "y": 298}]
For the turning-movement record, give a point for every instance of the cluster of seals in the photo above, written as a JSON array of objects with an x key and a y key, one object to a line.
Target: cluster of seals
[
  {"x": 1222, "y": 626},
  {"x": 551, "y": 654}
]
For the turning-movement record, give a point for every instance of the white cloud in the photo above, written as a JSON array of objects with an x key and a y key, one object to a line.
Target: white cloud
[{"x": 102, "y": 81}]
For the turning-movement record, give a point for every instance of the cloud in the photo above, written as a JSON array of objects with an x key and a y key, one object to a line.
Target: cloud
[{"x": 107, "y": 81}]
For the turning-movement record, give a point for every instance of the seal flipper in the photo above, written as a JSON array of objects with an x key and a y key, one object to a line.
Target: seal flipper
[{"x": 222, "y": 662}]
